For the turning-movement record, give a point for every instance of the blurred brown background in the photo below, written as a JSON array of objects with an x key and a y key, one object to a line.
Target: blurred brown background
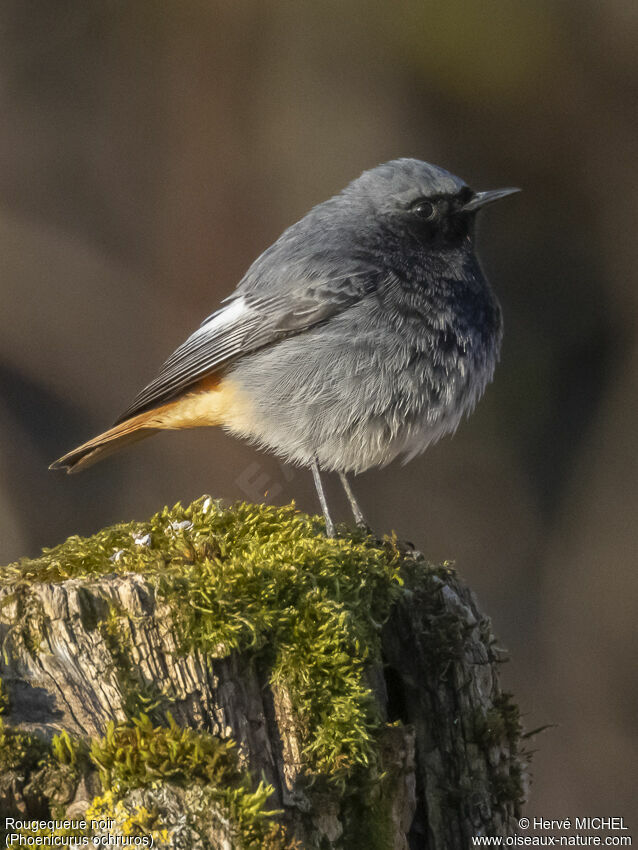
[{"x": 149, "y": 151}]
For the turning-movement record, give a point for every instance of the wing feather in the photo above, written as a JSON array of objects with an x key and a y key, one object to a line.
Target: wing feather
[{"x": 250, "y": 320}]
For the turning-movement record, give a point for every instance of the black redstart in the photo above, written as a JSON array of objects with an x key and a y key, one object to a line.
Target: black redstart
[{"x": 365, "y": 332}]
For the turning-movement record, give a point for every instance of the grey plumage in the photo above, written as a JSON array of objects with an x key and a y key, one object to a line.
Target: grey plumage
[
  {"x": 364, "y": 333},
  {"x": 409, "y": 334}
]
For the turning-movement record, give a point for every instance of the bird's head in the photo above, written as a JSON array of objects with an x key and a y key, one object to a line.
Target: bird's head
[{"x": 408, "y": 198}]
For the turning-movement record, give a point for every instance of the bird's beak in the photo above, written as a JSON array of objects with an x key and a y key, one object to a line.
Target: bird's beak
[{"x": 482, "y": 199}]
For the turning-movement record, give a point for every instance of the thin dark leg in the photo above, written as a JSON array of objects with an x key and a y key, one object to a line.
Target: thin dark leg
[
  {"x": 330, "y": 529},
  {"x": 356, "y": 510}
]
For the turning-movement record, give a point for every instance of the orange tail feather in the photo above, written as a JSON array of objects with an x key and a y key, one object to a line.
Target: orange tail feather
[
  {"x": 131, "y": 431},
  {"x": 202, "y": 405}
]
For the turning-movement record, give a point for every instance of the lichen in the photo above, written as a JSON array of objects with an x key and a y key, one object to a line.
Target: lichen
[{"x": 128, "y": 819}]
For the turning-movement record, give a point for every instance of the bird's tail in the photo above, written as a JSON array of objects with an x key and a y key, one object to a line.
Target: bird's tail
[
  {"x": 131, "y": 431},
  {"x": 207, "y": 403}
]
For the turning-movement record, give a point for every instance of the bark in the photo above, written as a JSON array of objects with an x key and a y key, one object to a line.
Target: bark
[{"x": 449, "y": 763}]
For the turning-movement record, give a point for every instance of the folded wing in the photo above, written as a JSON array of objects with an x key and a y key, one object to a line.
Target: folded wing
[{"x": 248, "y": 321}]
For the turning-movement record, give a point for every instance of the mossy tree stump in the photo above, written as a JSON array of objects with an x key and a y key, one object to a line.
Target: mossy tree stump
[{"x": 230, "y": 678}]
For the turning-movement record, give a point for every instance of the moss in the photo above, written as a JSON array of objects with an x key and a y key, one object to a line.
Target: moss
[
  {"x": 31, "y": 618},
  {"x": 264, "y": 580},
  {"x": 19, "y": 751},
  {"x": 309, "y": 609},
  {"x": 369, "y": 805},
  {"x": 204, "y": 819},
  {"x": 442, "y": 631},
  {"x": 510, "y": 717},
  {"x": 501, "y": 725},
  {"x": 4, "y": 699},
  {"x": 508, "y": 786},
  {"x": 136, "y": 753},
  {"x": 70, "y": 752},
  {"x": 125, "y": 821},
  {"x": 367, "y": 814},
  {"x": 49, "y": 771},
  {"x": 45, "y": 775}
]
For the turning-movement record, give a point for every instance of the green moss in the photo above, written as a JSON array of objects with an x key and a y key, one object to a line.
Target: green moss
[
  {"x": 48, "y": 772},
  {"x": 30, "y": 764},
  {"x": 31, "y": 619},
  {"x": 70, "y": 752},
  {"x": 138, "y": 754},
  {"x": 368, "y": 813},
  {"x": 19, "y": 751},
  {"x": 4, "y": 699},
  {"x": 264, "y": 580},
  {"x": 442, "y": 631},
  {"x": 498, "y": 727}
]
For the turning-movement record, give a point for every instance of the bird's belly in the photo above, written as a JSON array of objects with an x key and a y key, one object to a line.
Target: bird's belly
[{"x": 352, "y": 406}]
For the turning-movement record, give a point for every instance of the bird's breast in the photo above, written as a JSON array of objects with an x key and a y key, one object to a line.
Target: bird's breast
[{"x": 370, "y": 384}]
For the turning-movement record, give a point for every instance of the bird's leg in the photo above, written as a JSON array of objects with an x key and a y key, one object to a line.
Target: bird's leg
[
  {"x": 356, "y": 510},
  {"x": 330, "y": 529}
]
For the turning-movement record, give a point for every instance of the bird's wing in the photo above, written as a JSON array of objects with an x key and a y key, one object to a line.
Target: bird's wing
[{"x": 250, "y": 320}]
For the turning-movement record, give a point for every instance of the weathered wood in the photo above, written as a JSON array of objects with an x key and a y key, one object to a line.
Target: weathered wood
[
  {"x": 449, "y": 762},
  {"x": 442, "y": 668}
]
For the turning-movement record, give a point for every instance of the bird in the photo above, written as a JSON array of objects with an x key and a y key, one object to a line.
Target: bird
[{"x": 363, "y": 334}]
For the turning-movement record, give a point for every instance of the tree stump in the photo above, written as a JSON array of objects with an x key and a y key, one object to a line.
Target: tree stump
[{"x": 229, "y": 678}]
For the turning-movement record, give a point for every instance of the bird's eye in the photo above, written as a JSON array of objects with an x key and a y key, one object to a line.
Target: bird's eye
[{"x": 425, "y": 210}]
